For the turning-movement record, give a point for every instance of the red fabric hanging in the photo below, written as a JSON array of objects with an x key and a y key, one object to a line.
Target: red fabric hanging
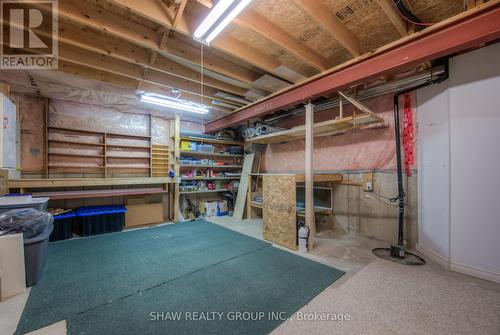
[{"x": 408, "y": 138}]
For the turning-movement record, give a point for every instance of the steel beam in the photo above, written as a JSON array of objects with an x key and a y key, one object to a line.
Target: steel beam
[{"x": 464, "y": 31}]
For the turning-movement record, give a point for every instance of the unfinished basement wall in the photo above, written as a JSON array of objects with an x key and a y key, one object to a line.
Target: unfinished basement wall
[
  {"x": 74, "y": 115},
  {"x": 352, "y": 154}
]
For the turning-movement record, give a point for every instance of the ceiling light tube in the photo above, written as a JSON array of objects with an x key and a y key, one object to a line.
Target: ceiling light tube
[
  {"x": 228, "y": 18},
  {"x": 217, "y": 11},
  {"x": 173, "y": 103}
]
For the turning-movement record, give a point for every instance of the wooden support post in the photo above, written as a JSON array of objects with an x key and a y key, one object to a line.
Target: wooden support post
[
  {"x": 177, "y": 137},
  {"x": 309, "y": 173}
]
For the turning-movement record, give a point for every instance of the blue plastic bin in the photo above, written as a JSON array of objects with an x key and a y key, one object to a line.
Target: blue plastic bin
[
  {"x": 63, "y": 226},
  {"x": 95, "y": 220}
]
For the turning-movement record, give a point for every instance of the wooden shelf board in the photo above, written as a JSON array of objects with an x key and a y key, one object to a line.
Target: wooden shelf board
[
  {"x": 74, "y": 142},
  {"x": 212, "y": 166},
  {"x": 55, "y": 195},
  {"x": 204, "y": 191},
  {"x": 211, "y": 178},
  {"x": 128, "y": 146},
  {"x": 81, "y": 182},
  {"x": 75, "y": 155},
  {"x": 211, "y": 141},
  {"x": 129, "y": 157},
  {"x": 115, "y": 166},
  {"x": 207, "y": 154},
  {"x": 75, "y": 166},
  {"x": 329, "y": 127},
  {"x": 97, "y": 132}
]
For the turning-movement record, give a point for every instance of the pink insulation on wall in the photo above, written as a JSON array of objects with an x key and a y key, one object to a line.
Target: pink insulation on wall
[{"x": 359, "y": 149}]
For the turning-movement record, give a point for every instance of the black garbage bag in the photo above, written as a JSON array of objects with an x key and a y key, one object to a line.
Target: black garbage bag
[{"x": 28, "y": 221}]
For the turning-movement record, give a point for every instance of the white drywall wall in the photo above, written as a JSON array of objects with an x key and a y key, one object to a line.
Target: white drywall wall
[
  {"x": 434, "y": 171},
  {"x": 475, "y": 160},
  {"x": 471, "y": 108}
]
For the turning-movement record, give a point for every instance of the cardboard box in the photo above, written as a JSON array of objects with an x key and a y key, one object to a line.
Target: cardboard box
[
  {"x": 216, "y": 208},
  {"x": 222, "y": 209},
  {"x": 12, "y": 273},
  {"x": 211, "y": 208},
  {"x": 143, "y": 214}
]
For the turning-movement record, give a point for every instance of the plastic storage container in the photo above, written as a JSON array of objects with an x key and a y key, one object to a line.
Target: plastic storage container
[
  {"x": 10, "y": 202},
  {"x": 63, "y": 226},
  {"x": 95, "y": 220}
]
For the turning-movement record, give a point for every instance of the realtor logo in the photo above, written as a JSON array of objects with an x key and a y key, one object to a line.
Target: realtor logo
[{"x": 28, "y": 34}]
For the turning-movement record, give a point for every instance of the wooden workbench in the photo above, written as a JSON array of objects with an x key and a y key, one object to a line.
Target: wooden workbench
[{"x": 155, "y": 185}]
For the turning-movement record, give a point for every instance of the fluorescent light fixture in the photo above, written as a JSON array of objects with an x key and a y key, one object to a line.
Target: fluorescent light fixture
[
  {"x": 216, "y": 12},
  {"x": 218, "y": 18},
  {"x": 229, "y": 17},
  {"x": 174, "y": 103}
]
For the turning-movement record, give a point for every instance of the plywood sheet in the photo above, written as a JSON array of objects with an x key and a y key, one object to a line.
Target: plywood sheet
[
  {"x": 32, "y": 121},
  {"x": 239, "y": 207},
  {"x": 143, "y": 214},
  {"x": 279, "y": 213}
]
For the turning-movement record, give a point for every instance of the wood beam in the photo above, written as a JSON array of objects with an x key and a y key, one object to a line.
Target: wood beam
[
  {"x": 87, "y": 39},
  {"x": 148, "y": 10},
  {"x": 255, "y": 22},
  {"x": 460, "y": 32},
  {"x": 391, "y": 13},
  {"x": 86, "y": 15},
  {"x": 322, "y": 15},
  {"x": 309, "y": 173},
  {"x": 180, "y": 11},
  {"x": 105, "y": 63}
]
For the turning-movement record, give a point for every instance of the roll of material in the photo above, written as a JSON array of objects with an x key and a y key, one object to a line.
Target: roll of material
[
  {"x": 248, "y": 133},
  {"x": 265, "y": 129}
]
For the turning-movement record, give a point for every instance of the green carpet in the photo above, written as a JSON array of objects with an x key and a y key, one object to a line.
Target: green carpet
[{"x": 110, "y": 284}]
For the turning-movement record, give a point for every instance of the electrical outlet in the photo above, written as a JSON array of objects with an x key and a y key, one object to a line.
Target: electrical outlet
[{"x": 369, "y": 186}]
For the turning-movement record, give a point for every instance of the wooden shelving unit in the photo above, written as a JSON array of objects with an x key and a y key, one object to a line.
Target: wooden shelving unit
[
  {"x": 232, "y": 163},
  {"x": 329, "y": 127},
  {"x": 159, "y": 160},
  {"x": 109, "y": 153}
]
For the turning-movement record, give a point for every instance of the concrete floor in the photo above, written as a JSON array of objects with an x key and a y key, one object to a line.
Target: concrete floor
[{"x": 380, "y": 297}]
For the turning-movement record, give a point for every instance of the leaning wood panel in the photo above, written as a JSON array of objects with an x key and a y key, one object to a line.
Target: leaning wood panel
[{"x": 279, "y": 210}]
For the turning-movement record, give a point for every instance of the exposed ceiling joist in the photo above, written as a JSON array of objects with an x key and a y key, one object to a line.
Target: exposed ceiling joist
[
  {"x": 121, "y": 81},
  {"x": 148, "y": 10},
  {"x": 390, "y": 11},
  {"x": 255, "y": 22},
  {"x": 88, "y": 40},
  {"x": 252, "y": 20},
  {"x": 179, "y": 12},
  {"x": 107, "y": 64},
  {"x": 321, "y": 14},
  {"x": 112, "y": 24},
  {"x": 461, "y": 32}
]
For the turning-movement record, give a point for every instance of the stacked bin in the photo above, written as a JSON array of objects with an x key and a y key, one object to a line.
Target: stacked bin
[
  {"x": 95, "y": 220},
  {"x": 63, "y": 226}
]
